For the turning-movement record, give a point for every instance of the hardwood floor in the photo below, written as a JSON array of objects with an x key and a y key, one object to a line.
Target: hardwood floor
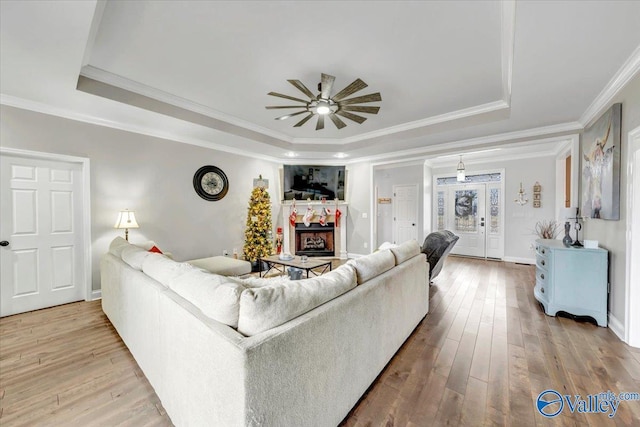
[{"x": 481, "y": 357}]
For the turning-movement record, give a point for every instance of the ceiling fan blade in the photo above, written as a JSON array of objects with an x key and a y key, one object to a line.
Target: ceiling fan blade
[
  {"x": 356, "y": 118},
  {"x": 287, "y": 97},
  {"x": 286, "y": 116},
  {"x": 352, "y": 88},
  {"x": 326, "y": 85},
  {"x": 303, "y": 121},
  {"x": 361, "y": 109},
  {"x": 373, "y": 97},
  {"x": 302, "y": 88},
  {"x": 336, "y": 121},
  {"x": 320, "y": 124},
  {"x": 277, "y": 107}
]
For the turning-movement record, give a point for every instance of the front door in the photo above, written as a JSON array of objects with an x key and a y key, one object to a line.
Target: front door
[
  {"x": 473, "y": 212},
  {"x": 405, "y": 213},
  {"x": 42, "y": 254},
  {"x": 468, "y": 218}
]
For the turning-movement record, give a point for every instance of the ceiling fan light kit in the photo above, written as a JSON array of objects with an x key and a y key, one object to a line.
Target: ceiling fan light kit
[{"x": 323, "y": 104}]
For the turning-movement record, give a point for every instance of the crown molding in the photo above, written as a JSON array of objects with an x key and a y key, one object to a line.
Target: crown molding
[
  {"x": 120, "y": 82},
  {"x": 537, "y": 134},
  {"x": 628, "y": 71},
  {"x": 429, "y": 121},
  {"x": 39, "y": 107}
]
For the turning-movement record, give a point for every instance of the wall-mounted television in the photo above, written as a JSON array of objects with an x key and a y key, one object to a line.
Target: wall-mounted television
[{"x": 302, "y": 182}]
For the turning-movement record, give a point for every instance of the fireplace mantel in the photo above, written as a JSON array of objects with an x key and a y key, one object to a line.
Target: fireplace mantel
[{"x": 340, "y": 232}]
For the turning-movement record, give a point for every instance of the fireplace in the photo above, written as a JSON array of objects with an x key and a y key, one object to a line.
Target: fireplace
[{"x": 315, "y": 240}]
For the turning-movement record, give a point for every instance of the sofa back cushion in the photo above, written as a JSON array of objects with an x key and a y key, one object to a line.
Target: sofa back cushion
[
  {"x": 117, "y": 246},
  {"x": 370, "y": 266},
  {"x": 268, "y": 306},
  {"x": 216, "y": 296},
  {"x": 134, "y": 256},
  {"x": 163, "y": 269},
  {"x": 405, "y": 251}
]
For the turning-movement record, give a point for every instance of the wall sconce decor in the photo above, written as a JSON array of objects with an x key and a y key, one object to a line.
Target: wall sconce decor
[
  {"x": 126, "y": 220},
  {"x": 521, "y": 199},
  {"x": 537, "y": 190},
  {"x": 460, "y": 172}
]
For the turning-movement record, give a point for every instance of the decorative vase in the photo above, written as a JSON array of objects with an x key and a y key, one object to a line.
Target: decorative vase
[{"x": 567, "y": 241}]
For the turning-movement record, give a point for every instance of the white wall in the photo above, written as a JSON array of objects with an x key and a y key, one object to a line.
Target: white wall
[
  {"x": 385, "y": 177},
  {"x": 611, "y": 234},
  {"x": 359, "y": 197},
  {"x": 520, "y": 221},
  {"x": 152, "y": 177}
]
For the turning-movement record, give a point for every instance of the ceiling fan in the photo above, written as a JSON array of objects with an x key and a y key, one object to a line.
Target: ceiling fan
[{"x": 323, "y": 104}]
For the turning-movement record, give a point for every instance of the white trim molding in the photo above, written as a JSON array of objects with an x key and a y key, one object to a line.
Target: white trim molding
[
  {"x": 627, "y": 72},
  {"x": 616, "y": 326},
  {"x": 632, "y": 274},
  {"x": 519, "y": 260}
]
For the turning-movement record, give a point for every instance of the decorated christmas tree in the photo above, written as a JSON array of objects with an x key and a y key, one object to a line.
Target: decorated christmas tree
[{"x": 257, "y": 234}]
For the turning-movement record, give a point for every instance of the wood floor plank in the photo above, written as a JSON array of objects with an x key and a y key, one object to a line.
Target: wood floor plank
[{"x": 480, "y": 357}]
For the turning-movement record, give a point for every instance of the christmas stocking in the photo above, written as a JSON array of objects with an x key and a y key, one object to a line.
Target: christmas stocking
[
  {"x": 323, "y": 217},
  {"x": 308, "y": 216},
  {"x": 338, "y": 215},
  {"x": 293, "y": 216}
]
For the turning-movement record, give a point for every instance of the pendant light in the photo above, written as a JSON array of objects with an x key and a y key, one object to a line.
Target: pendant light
[{"x": 461, "y": 177}]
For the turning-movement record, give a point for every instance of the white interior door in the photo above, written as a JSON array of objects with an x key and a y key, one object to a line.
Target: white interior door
[
  {"x": 405, "y": 213},
  {"x": 42, "y": 254},
  {"x": 467, "y": 218}
]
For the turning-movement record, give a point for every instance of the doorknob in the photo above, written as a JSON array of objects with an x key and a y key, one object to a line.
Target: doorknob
[
  {"x": 4, "y": 243},
  {"x": 413, "y": 224}
]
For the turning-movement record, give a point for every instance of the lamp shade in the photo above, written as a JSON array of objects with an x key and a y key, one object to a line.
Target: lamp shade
[
  {"x": 569, "y": 213},
  {"x": 126, "y": 219}
]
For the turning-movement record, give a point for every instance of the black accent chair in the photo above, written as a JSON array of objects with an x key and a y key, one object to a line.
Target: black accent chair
[{"x": 437, "y": 246}]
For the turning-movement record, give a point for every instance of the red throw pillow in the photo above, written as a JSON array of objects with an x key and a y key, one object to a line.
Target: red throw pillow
[{"x": 155, "y": 249}]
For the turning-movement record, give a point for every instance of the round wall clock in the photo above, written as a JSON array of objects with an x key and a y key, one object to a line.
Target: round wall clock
[{"x": 210, "y": 183}]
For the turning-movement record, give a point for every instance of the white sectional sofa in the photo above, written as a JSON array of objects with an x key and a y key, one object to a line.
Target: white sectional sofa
[{"x": 222, "y": 351}]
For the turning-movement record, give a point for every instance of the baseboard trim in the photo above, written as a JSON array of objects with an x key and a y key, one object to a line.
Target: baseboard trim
[
  {"x": 96, "y": 294},
  {"x": 616, "y": 326},
  {"x": 518, "y": 260}
]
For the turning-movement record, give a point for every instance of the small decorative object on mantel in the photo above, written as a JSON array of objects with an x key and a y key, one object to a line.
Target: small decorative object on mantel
[
  {"x": 537, "y": 190},
  {"x": 521, "y": 199}
]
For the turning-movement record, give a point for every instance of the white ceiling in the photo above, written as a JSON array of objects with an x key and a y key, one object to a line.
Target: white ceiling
[{"x": 453, "y": 75}]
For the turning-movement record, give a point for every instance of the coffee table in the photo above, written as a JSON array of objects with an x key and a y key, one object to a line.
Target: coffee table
[{"x": 273, "y": 262}]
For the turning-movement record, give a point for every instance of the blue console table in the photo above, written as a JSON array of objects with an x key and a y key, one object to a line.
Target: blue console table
[{"x": 573, "y": 280}]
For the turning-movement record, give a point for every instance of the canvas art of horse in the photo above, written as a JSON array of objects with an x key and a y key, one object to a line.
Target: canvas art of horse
[{"x": 601, "y": 167}]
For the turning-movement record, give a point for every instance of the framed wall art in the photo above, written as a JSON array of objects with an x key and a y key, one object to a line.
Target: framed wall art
[{"x": 600, "y": 157}]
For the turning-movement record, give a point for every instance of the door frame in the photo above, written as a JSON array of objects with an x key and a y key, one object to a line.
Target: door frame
[
  {"x": 632, "y": 296},
  {"x": 503, "y": 206},
  {"x": 86, "y": 205},
  {"x": 416, "y": 188}
]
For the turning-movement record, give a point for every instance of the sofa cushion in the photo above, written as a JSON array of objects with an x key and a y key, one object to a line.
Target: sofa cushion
[
  {"x": 223, "y": 265},
  {"x": 134, "y": 256},
  {"x": 216, "y": 296},
  {"x": 163, "y": 269},
  {"x": 370, "y": 266},
  {"x": 117, "y": 246},
  {"x": 266, "y": 307},
  {"x": 405, "y": 251}
]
